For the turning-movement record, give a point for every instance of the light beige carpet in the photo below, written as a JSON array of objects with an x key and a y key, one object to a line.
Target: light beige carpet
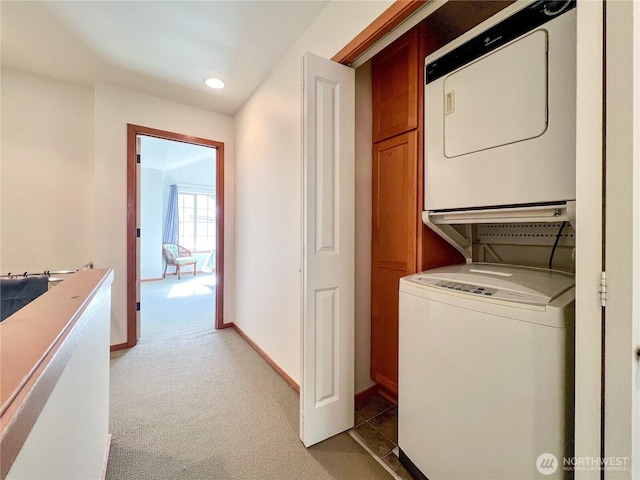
[
  {"x": 205, "y": 405},
  {"x": 172, "y": 307}
]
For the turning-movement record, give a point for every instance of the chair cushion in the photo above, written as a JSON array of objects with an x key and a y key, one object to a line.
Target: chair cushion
[
  {"x": 185, "y": 260},
  {"x": 172, "y": 248}
]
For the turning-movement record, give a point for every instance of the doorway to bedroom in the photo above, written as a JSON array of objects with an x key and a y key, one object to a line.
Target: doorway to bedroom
[{"x": 177, "y": 238}]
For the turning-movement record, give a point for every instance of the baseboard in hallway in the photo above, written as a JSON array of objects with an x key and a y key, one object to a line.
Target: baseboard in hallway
[{"x": 266, "y": 357}]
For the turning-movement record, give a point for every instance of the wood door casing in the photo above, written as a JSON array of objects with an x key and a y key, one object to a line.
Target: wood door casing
[
  {"x": 132, "y": 277},
  {"x": 394, "y": 238}
]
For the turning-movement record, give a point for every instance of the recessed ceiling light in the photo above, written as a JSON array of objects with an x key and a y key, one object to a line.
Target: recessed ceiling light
[{"x": 214, "y": 83}]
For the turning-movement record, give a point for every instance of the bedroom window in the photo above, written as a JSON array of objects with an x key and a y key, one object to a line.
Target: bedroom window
[{"x": 197, "y": 221}]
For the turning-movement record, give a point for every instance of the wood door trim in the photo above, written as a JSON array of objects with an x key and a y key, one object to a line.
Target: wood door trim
[
  {"x": 387, "y": 21},
  {"x": 132, "y": 132}
]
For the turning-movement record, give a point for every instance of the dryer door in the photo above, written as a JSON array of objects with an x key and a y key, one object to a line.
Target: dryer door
[{"x": 499, "y": 99}]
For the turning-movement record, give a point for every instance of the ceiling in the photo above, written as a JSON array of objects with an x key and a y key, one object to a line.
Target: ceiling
[
  {"x": 166, "y": 48},
  {"x": 167, "y": 155},
  {"x": 160, "y": 48}
]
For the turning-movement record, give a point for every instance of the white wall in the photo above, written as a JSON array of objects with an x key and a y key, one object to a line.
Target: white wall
[
  {"x": 64, "y": 190},
  {"x": 200, "y": 174},
  {"x": 151, "y": 223},
  {"x": 47, "y": 184},
  {"x": 364, "y": 183},
  {"x": 268, "y": 189},
  {"x": 114, "y": 108}
]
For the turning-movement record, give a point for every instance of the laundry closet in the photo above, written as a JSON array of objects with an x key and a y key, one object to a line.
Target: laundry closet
[
  {"x": 511, "y": 203},
  {"x": 401, "y": 242}
]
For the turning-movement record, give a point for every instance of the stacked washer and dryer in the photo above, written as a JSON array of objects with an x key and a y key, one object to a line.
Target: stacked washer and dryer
[{"x": 485, "y": 349}]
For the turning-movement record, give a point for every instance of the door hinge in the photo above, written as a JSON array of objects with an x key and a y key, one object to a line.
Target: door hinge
[
  {"x": 603, "y": 289},
  {"x": 137, "y": 233},
  {"x": 137, "y": 306},
  {"x": 138, "y": 158}
]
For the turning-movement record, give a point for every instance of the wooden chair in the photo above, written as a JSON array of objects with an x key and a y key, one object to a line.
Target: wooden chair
[{"x": 177, "y": 256}]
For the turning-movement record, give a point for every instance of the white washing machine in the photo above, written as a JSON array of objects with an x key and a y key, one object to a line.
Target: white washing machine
[{"x": 486, "y": 365}]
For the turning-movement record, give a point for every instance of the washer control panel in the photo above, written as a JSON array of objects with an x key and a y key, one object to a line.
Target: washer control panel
[
  {"x": 463, "y": 287},
  {"x": 493, "y": 283}
]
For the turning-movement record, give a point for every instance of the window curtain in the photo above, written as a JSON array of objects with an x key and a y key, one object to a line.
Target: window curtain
[{"x": 170, "y": 234}]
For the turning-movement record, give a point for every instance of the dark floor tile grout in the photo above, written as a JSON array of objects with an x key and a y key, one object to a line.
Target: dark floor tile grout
[
  {"x": 394, "y": 443},
  {"x": 380, "y": 413},
  {"x": 393, "y": 461},
  {"x": 380, "y": 432}
]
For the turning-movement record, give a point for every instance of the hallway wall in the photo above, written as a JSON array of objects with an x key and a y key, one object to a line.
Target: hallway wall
[
  {"x": 64, "y": 180},
  {"x": 47, "y": 174},
  {"x": 268, "y": 188}
]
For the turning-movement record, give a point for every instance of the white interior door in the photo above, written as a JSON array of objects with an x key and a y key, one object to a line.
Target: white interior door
[{"x": 328, "y": 272}]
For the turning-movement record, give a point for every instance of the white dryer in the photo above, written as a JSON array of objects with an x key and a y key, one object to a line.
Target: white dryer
[{"x": 486, "y": 365}]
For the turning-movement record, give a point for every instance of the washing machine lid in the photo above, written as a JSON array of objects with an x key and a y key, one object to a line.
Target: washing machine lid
[{"x": 505, "y": 282}]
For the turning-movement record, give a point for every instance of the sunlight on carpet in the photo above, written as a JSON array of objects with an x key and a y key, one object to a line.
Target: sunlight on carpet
[
  {"x": 171, "y": 307},
  {"x": 195, "y": 287}
]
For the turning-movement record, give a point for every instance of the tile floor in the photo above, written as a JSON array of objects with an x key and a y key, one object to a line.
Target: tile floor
[{"x": 376, "y": 424}]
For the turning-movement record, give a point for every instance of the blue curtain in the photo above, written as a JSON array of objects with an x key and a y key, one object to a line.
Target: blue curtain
[{"x": 171, "y": 222}]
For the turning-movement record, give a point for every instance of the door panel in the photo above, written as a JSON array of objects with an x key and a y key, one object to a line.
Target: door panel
[
  {"x": 384, "y": 330},
  {"x": 395, "y": 87},
  {"x": 328, "y": 272},
  {"x": 394, "y": 252}
]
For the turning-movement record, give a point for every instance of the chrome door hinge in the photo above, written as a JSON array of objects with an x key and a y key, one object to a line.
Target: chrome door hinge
[{"x": 603, "y": 289}]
